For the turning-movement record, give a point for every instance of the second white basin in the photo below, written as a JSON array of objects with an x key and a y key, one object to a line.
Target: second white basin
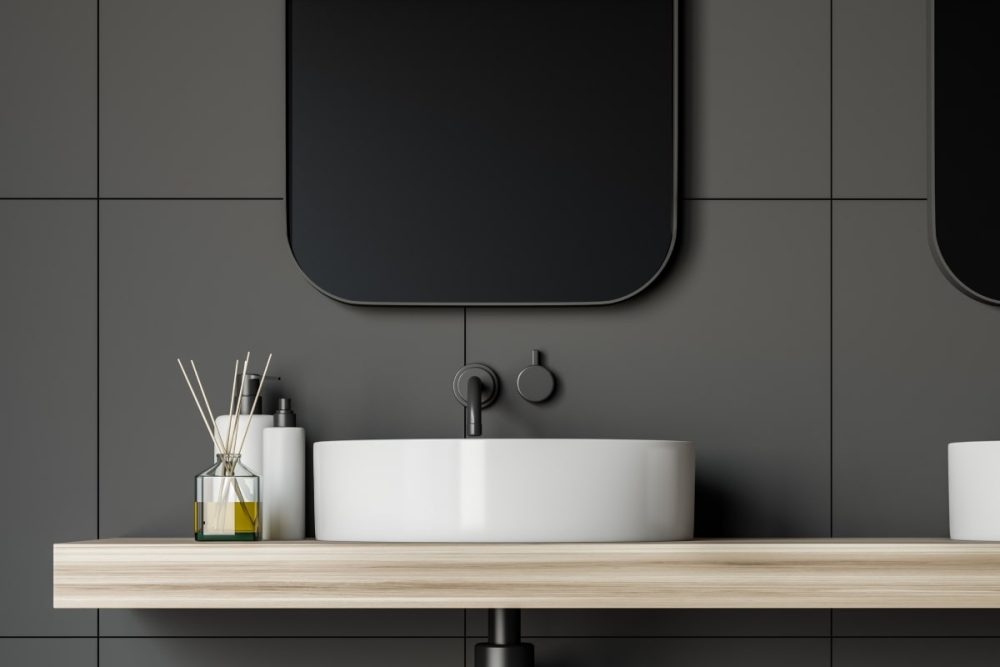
[{"x": 504, "y": 490}]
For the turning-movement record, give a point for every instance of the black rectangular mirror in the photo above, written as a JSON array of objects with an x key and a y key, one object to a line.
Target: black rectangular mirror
[{"x": 482, "y": 152}]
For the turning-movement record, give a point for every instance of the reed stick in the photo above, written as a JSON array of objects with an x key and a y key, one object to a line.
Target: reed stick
[
  {"x": 208, "y": 405},
  {"x": 231, "y": 429},
  {"x": 234, "y": 418},
  {"x": 195, "y": 397},
  {"x": 231, "y": 406},
  {"x": 246, "y": 431},
  {"x": 253, "y": 407}
]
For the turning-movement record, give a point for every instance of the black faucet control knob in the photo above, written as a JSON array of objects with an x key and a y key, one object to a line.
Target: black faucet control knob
[{"x": 536, "y": 383}]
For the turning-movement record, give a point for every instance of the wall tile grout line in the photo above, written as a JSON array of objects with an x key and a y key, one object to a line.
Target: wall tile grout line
[
  {"x": 193, "y": 198},
  {"x": 535, "y": 637},
  {"x": 830, "y": 398},
  {"x": 142, "y": 198},
  {"x": 876, "y": 199},
  {"x": 804, "y": 198},
  {"x": 97, "y": 318},
  {"x": 831, "y": 278},
  {"x": 241, "y": 637}
]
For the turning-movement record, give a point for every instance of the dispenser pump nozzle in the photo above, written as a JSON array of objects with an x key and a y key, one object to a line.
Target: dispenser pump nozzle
[
  {"x": 284, "y": 416},
  {"x": 251, "y": 383}
]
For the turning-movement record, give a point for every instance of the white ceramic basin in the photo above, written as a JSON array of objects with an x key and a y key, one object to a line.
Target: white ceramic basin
[
  {"x": 974, "y": 490},
  {"x": 494, "y": 490}
]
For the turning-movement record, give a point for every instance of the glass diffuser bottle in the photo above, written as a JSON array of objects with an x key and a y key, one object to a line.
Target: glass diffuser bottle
[{"x": 227, "y": 501}]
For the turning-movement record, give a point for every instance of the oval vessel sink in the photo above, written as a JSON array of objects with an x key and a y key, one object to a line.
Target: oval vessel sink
[{"x": 504, "y": 490}]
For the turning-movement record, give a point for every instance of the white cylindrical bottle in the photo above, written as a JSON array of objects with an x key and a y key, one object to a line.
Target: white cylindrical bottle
[
  {"x": 283, "y": 482},
  {"x": 247, "y": 432}
]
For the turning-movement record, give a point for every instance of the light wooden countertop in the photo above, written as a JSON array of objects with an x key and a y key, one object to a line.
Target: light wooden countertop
[{"x": 813, "y": 573}]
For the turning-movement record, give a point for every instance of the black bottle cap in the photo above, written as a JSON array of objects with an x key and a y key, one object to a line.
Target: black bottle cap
[
  {"x": 250, "y": 384},
  {"x": 284, "y": 416}
]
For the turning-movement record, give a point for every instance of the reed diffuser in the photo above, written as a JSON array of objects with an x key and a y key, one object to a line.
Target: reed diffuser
[{"x": 227, "y": 495}]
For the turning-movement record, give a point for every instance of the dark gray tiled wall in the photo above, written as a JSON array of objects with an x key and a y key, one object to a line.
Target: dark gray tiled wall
[
  {"x": 48, "y": 481},
  {"x": 284, "y": 623},
  {"x": 266, "y": 652},
  {"x": 769, "y": 305},
  {"x": 917, "y": 623},
  {"x": 48, "y": 113},
  {"x": 756, "y": 107},
  {"x": 192, "y": 98},
  {"x": 695, "y": 652},
  {"x": 915, "y": 652},
  {"x": 911, "y": 372},
  {"x": 664, "y": 623},
  {"x": 880, "y": 98},
  {"x": 50, "y": 652}
]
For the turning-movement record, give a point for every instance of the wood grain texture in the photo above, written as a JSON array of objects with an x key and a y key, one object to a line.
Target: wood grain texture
[{"x": 181, "y": 573}]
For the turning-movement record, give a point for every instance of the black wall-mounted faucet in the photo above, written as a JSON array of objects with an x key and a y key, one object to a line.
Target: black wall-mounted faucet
[{"x": 476, "y": 387}]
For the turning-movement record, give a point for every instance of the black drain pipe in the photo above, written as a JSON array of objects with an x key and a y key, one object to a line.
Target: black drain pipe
[{"x": 504, "y": 647}]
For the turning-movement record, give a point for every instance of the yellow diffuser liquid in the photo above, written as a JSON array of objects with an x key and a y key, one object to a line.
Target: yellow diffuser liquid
[{"x": 238, "y": 521}]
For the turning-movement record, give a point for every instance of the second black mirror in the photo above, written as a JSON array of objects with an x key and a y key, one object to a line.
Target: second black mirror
[{"x": 964, "y": 167}]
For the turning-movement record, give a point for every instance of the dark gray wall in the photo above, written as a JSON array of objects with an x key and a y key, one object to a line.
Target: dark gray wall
[{"x": 804, "y": 337}]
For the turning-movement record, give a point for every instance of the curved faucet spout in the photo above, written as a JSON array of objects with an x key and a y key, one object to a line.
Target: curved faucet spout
[
  {"x": 474, "y": 392},
  {"x": 475, "y": 386}
]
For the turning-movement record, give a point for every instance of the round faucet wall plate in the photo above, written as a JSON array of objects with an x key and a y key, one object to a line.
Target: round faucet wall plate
[{"x": 491, "y": 383}]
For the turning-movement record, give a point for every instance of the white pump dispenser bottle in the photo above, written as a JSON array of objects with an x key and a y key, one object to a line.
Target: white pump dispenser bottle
[{"x": 283, "y": 481}]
